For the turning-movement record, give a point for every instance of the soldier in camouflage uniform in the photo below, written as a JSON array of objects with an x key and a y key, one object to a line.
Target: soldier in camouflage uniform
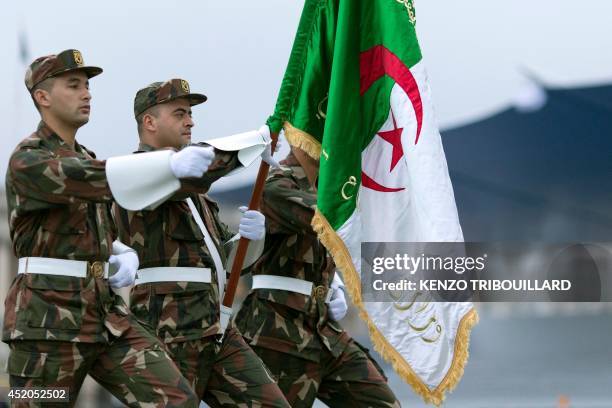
[
  {"x": 177, "y": 292},
  {"x": 62, "y": 319},
  {"x": 293, "y": 329}
]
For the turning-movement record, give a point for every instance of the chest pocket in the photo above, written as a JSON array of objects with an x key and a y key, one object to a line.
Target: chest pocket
[
  {"x": 66, "y": 220},
  {"x": 179, "y": 223}
]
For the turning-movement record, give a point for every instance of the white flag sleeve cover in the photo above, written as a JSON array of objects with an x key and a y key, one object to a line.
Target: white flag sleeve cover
[
  {"x": 250, "y": 145},
  {"x": 141, "y": 180}
]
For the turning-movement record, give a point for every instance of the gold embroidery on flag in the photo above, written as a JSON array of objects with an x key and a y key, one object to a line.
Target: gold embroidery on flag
[
  {"x": 420, "y": 309},
  {"x": 438, "y": 330},
  {"x": 424, "y": 329},
  {"x": 320, "y": 113},
  {"x": 402, "y": 308},
  {"x": 352, "y": 181},
  {"x": 410, "y": 8}
]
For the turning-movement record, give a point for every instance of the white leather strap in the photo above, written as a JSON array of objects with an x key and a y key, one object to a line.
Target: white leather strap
[
  {"x": 210, "y": 244},
  {"x": 173, "y": 274},
  {"x": 59, "y": 267},
  {"x": 303, "y": 287},
  {"x": 214, "y": 253}
]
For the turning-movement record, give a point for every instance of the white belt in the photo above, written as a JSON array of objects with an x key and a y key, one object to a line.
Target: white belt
[
  {"x": 63, "y": 267},
  {"x": 173, "y": 274},
  {"x": 303, "y": 287}
]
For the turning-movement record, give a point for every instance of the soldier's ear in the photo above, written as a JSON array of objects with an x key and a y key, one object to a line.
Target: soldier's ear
[
  {"x": 42, "y": 98},
  {"x": 149, "y": 122}
]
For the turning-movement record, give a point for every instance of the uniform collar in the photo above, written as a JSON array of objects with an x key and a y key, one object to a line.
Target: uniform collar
[
  {"x": 143, "y": 147},
  {"x": 52, "y": 140}
]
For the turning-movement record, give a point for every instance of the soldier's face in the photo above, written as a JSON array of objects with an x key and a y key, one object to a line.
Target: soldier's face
[
  {"x": 69, "y": 98},
  {"x": 174, "y": 124}
]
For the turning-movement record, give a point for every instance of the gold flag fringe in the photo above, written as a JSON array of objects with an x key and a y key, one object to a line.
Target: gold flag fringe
[
  {"x": 342, "y": 258},
  {"x": 300, "y": 139}
]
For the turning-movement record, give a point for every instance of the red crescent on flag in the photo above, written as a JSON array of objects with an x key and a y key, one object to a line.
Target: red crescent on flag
[
  {"x": 374, "y": 64},
  {"x": 369, "y": 182}
]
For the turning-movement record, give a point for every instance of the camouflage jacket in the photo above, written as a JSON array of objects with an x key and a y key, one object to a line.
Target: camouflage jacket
[
  {"x": 59, "y": 207},
  {"x": 169, "y": 236},
  {"x": 281, "y": 320}
]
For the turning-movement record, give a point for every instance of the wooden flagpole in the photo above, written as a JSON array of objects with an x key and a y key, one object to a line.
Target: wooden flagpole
[{"x": 243, "y": 244}]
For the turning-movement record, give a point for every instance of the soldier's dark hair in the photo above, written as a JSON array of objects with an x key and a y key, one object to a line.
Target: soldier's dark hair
[
  {"x": 153, "y": 111},
  {"x": 45, "y": 85}
]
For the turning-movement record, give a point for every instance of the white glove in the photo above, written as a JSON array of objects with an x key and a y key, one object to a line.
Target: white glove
[
  {"x": 337, "y": 307},
  {"x": 127, "y": 266},
  {"x": 192, "y": 161},
  {"x": 266, "y": 155},
  {"x": 252, "y": 224}
]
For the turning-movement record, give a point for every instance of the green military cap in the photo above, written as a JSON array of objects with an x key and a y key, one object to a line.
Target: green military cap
[
  {"x": 162, "y": 92},
  {"x": 53, "y": 65}
]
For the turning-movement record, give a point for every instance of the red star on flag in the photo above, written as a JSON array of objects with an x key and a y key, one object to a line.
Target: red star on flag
[{"x": 394, "y": 137}]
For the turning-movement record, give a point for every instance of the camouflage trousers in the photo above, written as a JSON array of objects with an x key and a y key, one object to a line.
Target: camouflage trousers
[
  {"x": 135, "y": 367},
  {"x": 352, "y": 379},
  {"x": 228, "y": 374}
]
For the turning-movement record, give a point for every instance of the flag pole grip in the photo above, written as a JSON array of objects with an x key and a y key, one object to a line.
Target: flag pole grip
[{"x": 243, "y": 243}]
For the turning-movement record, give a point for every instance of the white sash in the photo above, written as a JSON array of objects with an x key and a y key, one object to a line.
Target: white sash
[{"x": 214, "y": 253}]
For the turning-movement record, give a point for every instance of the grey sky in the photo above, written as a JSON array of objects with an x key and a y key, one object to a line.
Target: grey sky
[{"x": 235, "y": 52}]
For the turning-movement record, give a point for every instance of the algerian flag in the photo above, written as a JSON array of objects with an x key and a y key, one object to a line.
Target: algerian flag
[{"x": 355, "y": 95}]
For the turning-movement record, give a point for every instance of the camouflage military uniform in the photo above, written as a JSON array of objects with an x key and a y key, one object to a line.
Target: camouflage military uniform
[
  {"x": 311, "y": 356},
  {"x": 60, "y": 328},
  {"x": 185, "y": 315}
]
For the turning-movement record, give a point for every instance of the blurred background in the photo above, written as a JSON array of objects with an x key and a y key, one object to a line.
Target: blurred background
[{"x": 523, "y": 95}]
